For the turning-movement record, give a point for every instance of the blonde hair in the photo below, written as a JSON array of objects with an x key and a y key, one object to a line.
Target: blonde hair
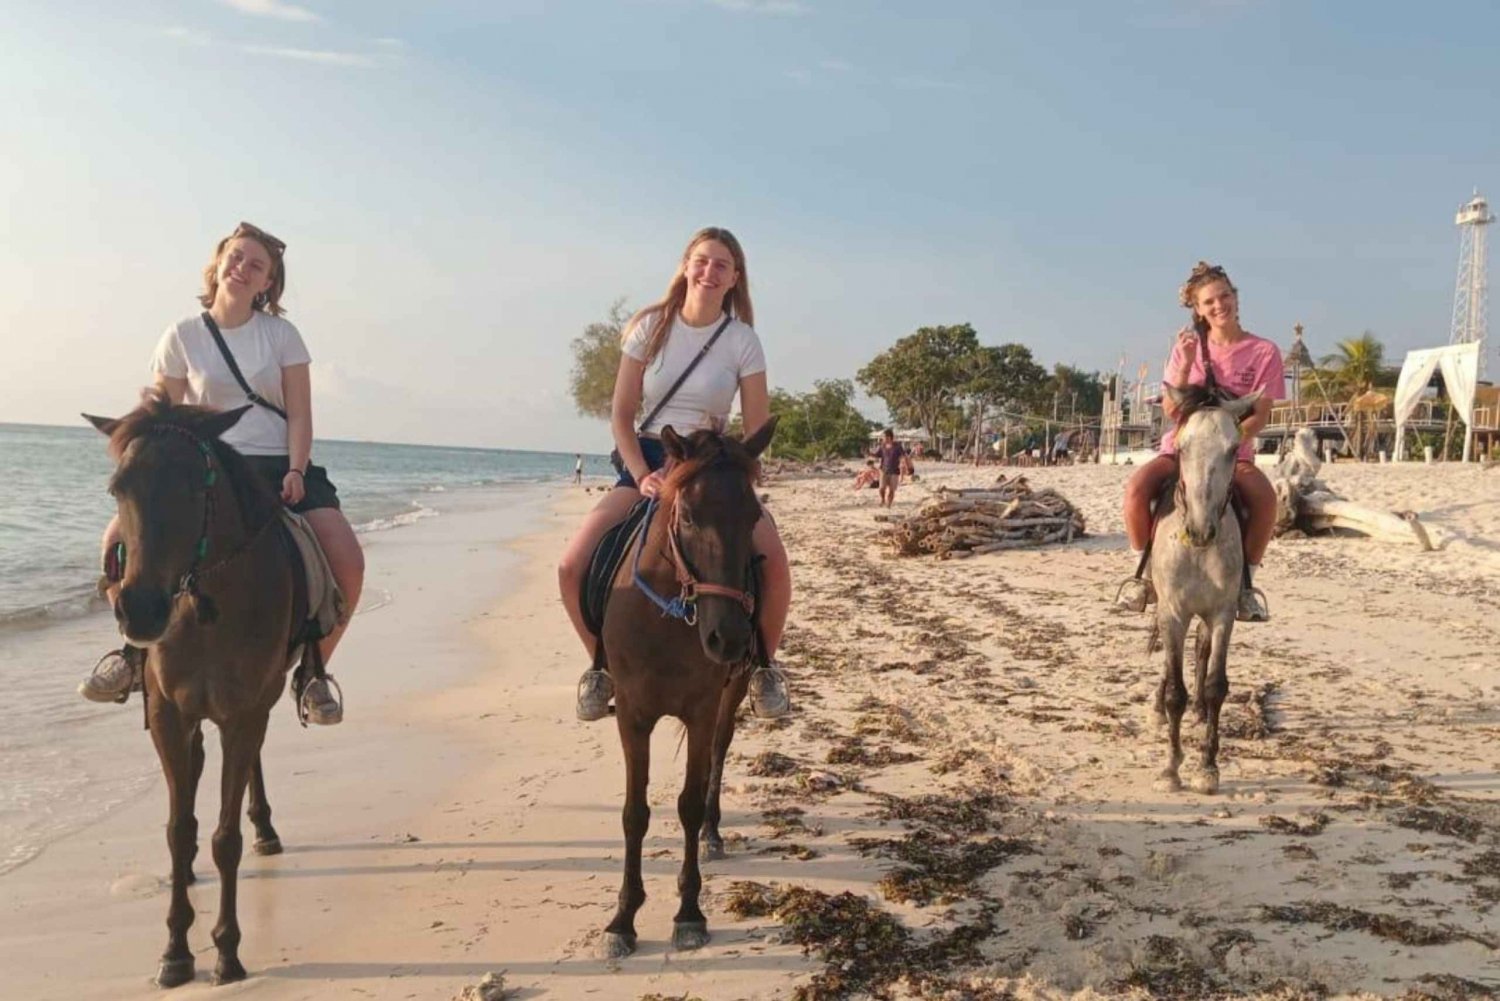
[
  {"x": 268, "y": 301},
  {"x": 1203, "y": 274},
  {"x": 666, "y": 310}
]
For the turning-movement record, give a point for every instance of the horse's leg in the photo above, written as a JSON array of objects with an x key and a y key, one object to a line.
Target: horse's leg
[
  {"x": 635, "y": 738},
  {"x": 240, "y": 742},
  {"x": 267, "y": 842},
  {"x": 1215, "y": 690},
  {"x": 1175, "y": 698},
  {"x": 174, "y": 739},
  {"x": 690, "y": 927},
  {"x": 197, "y": 762},
  {"x": 729, "y": 702},
  {"x": 1202, "y": 639}
]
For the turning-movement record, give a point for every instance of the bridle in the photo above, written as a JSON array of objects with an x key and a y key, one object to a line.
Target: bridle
[
  {"x": 685, "y": 605},
  {"x": 1180, "y": 498}
]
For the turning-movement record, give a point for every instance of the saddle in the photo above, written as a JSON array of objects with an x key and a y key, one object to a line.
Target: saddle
[
  {"x": 604, "y": 565},
  {"x": 318, "y": 606}
]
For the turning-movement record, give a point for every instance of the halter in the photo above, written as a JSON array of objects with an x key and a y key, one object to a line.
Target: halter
[
  {"x": 1180, "y": 497},
  {"x": 685, "y": 605}
]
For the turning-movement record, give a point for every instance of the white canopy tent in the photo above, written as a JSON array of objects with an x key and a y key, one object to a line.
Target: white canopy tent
[{"x": 1460, "y": 366}]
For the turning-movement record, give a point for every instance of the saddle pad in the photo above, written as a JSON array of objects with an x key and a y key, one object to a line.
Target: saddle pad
[
  {"x": 325, "y": 602},
  {"x": 605, "y": 564}
]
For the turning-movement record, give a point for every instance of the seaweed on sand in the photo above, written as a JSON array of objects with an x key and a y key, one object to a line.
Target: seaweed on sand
[
  {"x": 1166, "y": 970},
  {"x": 1336, "y": 917},
  {"x": 969, "y": 812},
  {"x": 936, "y": 867}
]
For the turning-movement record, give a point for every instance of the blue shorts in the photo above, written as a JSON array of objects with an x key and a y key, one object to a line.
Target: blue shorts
[{"x": 655, "y": 454}]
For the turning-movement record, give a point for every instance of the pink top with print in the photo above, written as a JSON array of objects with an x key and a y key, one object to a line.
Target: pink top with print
[{"x": 1248, "y": 364}]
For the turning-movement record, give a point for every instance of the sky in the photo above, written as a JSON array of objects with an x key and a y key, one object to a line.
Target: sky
[{"x": 465, "y": 185}]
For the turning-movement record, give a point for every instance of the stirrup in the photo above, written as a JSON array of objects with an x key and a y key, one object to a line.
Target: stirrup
[
  {"x": 337, "y": 691},
  {"x": 1263, "y": 607},
  {"x": 595, "y": 689},
  {"x": 1147, "y": 595}
]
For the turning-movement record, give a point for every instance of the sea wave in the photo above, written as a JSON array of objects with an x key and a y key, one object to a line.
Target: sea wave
[
  {"x": 417, "y": 513},
  {"x": 79, "y": 601}
]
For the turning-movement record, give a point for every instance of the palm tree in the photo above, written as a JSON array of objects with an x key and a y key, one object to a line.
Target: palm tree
[{"x": 1358, "y": 364}]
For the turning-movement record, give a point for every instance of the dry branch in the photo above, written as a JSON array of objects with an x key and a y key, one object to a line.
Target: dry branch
[{"x": 959, "y": 523}]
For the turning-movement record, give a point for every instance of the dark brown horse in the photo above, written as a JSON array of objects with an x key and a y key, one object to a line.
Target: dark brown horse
[
  {"x": 208, "y": 593},
  {"x": 697, "y": 560}
]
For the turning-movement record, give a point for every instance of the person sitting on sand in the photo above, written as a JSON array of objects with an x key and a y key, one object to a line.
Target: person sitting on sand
[
  {"x": 1242, "y": 363},
  {"x": 709, "y": 294},
  {"x": 867, "y": 477},
  {"x": 242, "y": 288}
]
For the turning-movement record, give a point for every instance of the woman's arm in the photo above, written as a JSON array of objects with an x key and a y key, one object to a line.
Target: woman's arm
[
  {"x": 629, "y": 383},
  {"x": 755, "y": 402},
  {"x": 296, "y": 391},
  {"x": 175, "y": 389}
]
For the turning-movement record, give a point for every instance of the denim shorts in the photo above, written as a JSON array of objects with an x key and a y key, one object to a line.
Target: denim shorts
[{"x": 655, "y": 454}]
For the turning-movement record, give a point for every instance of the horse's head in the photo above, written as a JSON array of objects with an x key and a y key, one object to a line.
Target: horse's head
[
  {"x": 1208, "y": 436},
  {"x": 166, "y": 467},
  {"x": 710, "y": 495}
]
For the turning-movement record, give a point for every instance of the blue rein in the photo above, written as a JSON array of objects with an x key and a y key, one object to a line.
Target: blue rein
[{"x": 681, "y": 607}]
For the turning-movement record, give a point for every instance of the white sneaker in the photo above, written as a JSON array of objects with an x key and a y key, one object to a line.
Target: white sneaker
[
  {"x": 112, "y": 680},
  {"x": 595, "y": 689},
  {"x": 769, "y": 698},
  {"x": 323, "y": 701}
]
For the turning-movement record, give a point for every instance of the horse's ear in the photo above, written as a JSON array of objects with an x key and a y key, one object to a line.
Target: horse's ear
[
  {"x": 216, "y": 425},
  {"x": 757, "y": 442},
  {"x": 673, "y": 443},
  {"x": 1241, "y": 408},
  {"x": 106, "y": 425}
]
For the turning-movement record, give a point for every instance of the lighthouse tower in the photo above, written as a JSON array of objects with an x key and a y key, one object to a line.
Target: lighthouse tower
[{"x": 1469, "y": 305}]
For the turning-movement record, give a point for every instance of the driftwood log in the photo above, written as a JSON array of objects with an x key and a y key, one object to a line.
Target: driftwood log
[
  {"x": 958, "y": 523},
  {"x": 1305, "y": 503}
]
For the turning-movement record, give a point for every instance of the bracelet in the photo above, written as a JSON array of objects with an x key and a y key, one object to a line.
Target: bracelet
[{"x": 299, "y": 472}]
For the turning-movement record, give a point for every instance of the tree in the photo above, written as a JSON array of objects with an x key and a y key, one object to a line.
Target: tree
[
  {"x": 923, "y": 374},
  {"x": 819, "y": 424},
  {"x": 1075, "y": 392},
  {"x": 1358, "y": 365},
  {"x": 1000, "y": 378},
  {"x": 596, "y": 360}
]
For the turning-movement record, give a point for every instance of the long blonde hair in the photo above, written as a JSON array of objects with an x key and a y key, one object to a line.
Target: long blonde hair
[
  {"x": 669, "y": 307},
  {"x": 268, "y": 301}
]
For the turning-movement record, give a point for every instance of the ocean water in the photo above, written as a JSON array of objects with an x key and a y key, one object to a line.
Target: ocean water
[{"x": 60, "y": 767}]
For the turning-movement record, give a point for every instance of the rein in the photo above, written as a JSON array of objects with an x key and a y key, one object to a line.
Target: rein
[{"x": 685, "y": 605}]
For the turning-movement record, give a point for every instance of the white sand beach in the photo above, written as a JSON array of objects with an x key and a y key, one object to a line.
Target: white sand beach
[{"x": 971, "y": 754}]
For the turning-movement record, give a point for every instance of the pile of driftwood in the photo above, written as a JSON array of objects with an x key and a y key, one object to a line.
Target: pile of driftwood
[
  {"x": 1304, "y": 503},
  {"x": 955, "y": 524}
]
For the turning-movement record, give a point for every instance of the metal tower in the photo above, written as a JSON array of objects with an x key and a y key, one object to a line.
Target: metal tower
[{"x": 1469, "y": 305}]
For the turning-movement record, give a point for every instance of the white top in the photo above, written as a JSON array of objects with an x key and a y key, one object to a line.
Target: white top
[
  {"x": 705, "y": 398},
  {"x": 262, "y": 347}
]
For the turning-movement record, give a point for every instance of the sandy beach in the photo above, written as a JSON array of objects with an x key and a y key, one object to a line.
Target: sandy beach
[{"x": 971, "y": 759}]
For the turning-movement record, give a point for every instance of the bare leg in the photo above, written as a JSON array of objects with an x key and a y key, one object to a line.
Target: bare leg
[
  {"x": 575, "y": 559},
  {"x": 689, "y": 926},
  {"x": 635, "y": 737},
  {"x": 1260, "y": 499},
  {"x": 776, "y": 597},
  {"x": 347, "y": 560},
  {"x": 1142, "y": 489}
]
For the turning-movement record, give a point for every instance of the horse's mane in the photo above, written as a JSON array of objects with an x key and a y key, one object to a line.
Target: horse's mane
[
  {"x": 157, "y": 412},
  {"x": 1196, "y": 398},
  {"x": 710, "y": 450}
]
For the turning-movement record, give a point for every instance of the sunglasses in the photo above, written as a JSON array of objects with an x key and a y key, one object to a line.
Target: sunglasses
[{"x": 246, "y": 229}]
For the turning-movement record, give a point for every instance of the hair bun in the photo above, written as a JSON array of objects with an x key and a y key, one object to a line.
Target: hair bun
[{"x": 1202, "y": 273}]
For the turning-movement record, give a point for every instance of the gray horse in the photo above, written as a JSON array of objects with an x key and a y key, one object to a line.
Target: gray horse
[{"x": 1197, "y": 559}]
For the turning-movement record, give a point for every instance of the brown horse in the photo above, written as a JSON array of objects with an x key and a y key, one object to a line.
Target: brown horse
[
  {"x": 697, "y": 550},
  {"x": 208, "y": 593}
]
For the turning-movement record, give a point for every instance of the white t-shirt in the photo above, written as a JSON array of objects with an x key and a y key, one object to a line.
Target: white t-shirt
[
  {"x": 704, "y": 399},
  {"x": 262, "y": 347}
]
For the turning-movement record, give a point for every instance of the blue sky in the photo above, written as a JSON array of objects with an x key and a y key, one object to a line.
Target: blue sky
[{"x": 464, "y": 186}]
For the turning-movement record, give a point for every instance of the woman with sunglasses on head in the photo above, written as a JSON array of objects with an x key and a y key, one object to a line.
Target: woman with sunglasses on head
[
  {"x": 242, "y": 288},
  {"x": 707, "y": 305}
]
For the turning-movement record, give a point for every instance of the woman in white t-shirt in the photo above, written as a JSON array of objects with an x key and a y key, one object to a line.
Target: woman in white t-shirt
[
  {"x": 242, "y": 288},
  {"x": 710, "y": 286}
]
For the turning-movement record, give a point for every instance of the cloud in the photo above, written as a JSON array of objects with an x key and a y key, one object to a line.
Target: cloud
[
  {"x": 836, "y": 65},
  {"x": 925, "y": 83},
  {"x": 190, "y": 36},
  {"x": 774, "y": 7},
  {"x": 324, "y": 56},
  {"x": 272, "y": 8}
]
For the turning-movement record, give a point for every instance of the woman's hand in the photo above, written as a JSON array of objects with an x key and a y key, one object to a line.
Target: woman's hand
[
  {"x": 292, "y": 488},
  {"x": 1187, "y": 343},
  {"x": 650, "y": 487}
]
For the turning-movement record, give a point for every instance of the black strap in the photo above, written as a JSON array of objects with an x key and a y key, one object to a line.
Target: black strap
[
  {"x": 685, "y": 373},
  {"x": 1209, "y": 382},
  {"x": 252, "y": 395}
]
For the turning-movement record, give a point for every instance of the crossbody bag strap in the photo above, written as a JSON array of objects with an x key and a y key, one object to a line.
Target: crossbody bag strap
[
  {"x": 685, "y": 373},
  {"x": 239, "y": 377}
]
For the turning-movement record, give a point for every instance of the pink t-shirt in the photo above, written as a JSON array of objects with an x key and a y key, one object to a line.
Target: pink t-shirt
[{"x": 1248, "y": 364}]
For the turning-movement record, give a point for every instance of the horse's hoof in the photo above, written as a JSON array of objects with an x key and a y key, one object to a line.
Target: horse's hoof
[
  {"x": 228, "y": 971},
  {"x": 690, "y": 935},
  {"x": 615, "y": 945},
  {"x": 713, "y": 850},
  {"x": 270, "y": 846},
  {"x": 1167, "y": 781},
  {"x": 1206, "y": 782},
  {"x": 175, "y": 972}
]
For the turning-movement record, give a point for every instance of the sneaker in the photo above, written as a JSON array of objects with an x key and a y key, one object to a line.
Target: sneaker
[
  {"x": 768, "y": 695},
  {"x": 113, "y": 678},
  {"x": 322, "y": 702},
  {"x": 595, "y": 689},
  {"x": 1134, "y": 595},
  {"x": 1252, "y": 606}
]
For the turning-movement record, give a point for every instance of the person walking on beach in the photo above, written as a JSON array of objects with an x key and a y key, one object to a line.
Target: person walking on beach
[
  {"x": 889, "y": 453},
  {"x": 706, "y": 304},
  {"x": 1241, "y": 363},
  {"x": 577, "y": 468},
  {"x": 242, "y": 288}
]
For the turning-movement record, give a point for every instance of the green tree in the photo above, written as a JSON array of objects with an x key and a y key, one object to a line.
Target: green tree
[
  {"x": 1003, "y": 378},
  {"x": 923, "y": 374},
  {"x": 1074, "y": 391},
  {"x": 596, "y": 360},
  {"x": 1358, "y": 365},
  {"x": 819, "y": 424}
]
